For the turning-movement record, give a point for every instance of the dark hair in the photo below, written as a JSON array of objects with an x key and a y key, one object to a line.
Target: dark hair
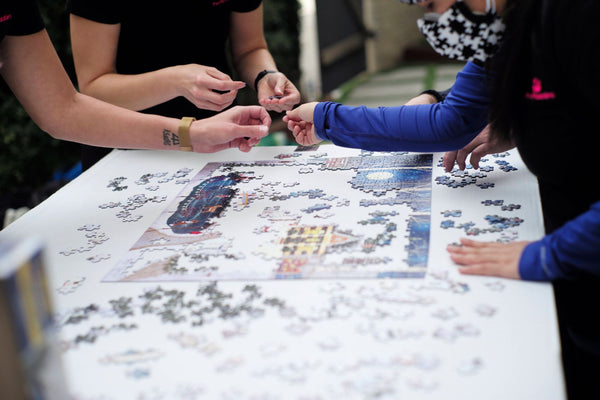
[{"x": 507, "y": 66}]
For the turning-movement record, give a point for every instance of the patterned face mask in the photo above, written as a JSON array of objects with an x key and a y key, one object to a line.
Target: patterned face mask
[{"x": 463, "y": 35}]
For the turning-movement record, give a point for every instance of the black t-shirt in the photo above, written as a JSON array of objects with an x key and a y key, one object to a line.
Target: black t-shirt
[
  {"x": 157, "y": 35},
  {"x": 558, "y": 142},
  {"x": 559, "y": 135},
  {"x": 19, "y": 18}
]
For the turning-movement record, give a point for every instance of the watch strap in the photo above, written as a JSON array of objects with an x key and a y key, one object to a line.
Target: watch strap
[{"x": 184, "y": 133}]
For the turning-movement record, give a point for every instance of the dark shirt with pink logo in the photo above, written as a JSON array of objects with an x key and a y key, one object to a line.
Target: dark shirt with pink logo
[{"x": 19, "y": 17}]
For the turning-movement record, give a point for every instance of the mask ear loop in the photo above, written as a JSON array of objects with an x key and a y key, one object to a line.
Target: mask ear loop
[{"x": 490, "y": 5}]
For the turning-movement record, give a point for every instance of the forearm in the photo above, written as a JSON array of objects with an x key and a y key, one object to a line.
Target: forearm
[
  {"x": 90, "y": 121},
  {"x": 249, "y": 49},
  {"x": 249, "y": 64},
  {"x": 135, "y": 92},
  {"x": 432, "y": 127},
  {"x": 35, "y": 75},
  {"x": 567, "y": 252}
]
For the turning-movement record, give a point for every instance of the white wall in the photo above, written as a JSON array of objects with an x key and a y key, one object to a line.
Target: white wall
[
  {"x": 310, "y": 68},
  {"x": 395, "y": 26}
]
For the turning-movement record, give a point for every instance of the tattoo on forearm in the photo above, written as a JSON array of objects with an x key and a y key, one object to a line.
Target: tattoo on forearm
[{"x": 170, "y": 138}]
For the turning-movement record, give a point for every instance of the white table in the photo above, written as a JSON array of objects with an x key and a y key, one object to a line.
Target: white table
[{"x": 445, "y": 336}]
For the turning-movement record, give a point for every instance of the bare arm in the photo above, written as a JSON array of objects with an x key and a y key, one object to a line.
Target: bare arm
[
  {"x": 36, "y": 76},
  {"x": 248, "y": 45},
  {"x": 95, "y": 51},
  {"x": 251, "y": 55}
]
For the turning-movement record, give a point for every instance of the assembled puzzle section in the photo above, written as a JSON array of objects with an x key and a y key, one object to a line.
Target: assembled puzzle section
[{"x": 292, "y": 218}]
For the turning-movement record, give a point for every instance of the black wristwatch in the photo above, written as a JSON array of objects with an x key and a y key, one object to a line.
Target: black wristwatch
[
  {"x": 261, "y": 75},
  {"x": 439, "y": 96}
]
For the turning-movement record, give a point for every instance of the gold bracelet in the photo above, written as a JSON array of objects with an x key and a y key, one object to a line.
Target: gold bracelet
[{"x": 184, "y": 133}]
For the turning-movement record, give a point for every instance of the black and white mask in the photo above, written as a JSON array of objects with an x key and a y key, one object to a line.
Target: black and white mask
[{"x": 462, "y": 34}]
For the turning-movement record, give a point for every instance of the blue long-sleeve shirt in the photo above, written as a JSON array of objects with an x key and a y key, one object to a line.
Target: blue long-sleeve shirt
[
  {"x": 432, "y": 127},
  {"x": 573, "y": 248},
  {"x": 451, "y": 125}
]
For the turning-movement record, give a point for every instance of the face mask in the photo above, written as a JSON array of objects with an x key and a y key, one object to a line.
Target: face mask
[{"x": 463, "y": 35}]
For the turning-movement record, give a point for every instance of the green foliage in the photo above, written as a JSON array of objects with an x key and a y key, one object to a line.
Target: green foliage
[{"x": 282, "y": 31}]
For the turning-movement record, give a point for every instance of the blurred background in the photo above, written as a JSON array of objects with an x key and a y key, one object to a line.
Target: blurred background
[{"x": 351, "y": 51}]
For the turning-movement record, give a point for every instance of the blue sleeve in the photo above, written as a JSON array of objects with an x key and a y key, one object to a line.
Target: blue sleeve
[
  {"x": 568, "y": 251},
  {"x": 433, "y": 127}
]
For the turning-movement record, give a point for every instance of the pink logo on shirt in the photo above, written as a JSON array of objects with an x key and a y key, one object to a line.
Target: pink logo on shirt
[
  {"x": 536, "y": 92},
  {"x": 5, "y": 18},
  {"x": 219, "y": 2}
]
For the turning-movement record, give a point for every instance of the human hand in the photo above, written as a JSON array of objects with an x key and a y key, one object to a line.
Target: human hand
[
  {"x": 206, "y": 87},
  {"x": 277, "y": 93},
  {"x": 300, "y": 122},
  {"x": 240, "y": 127},
  {"x": 488, "y": 258},
  {"x": 482, "y": 145},
  {"x": 421, "y": 99}
]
